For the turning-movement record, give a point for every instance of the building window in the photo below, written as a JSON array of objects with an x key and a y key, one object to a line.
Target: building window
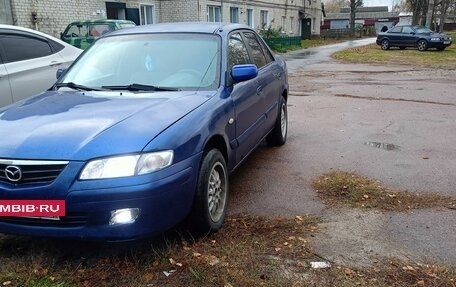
[
  {"x": 234, "y": 14},
  {"x": 291, "y": 24},
  {"x": 283, "y": 23},
  {"x": 264, "y": 18},
  {"x": 214, "y": 13},
  {"x": 147, "y": 14},
  {"x": 250, "y": 18}
]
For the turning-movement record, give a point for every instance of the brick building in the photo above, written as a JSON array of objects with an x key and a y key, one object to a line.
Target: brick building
[{"x": 295, "y": 17}]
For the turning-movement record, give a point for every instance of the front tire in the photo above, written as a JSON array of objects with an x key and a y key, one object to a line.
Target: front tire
[
  {"x": 421, "y": 45},
  {"x": 278, "y": 136},
  {"x": 209, "y": 208},
  {"x": 385, "y": 44}
]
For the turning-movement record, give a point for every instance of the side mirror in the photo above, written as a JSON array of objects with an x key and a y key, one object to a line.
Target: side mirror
[
  {"x": 61, "y": 35},
  {"x": 241, "y": 73},
  {"x": 60, "y": 72}
]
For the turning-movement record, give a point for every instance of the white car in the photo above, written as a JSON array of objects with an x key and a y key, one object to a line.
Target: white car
[{"x": 29, "y": 61}]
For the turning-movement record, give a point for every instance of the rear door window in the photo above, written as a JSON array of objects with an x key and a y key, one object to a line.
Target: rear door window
[
  {"x": 96, "y": 30},
  {"x": 255, "y": 48},
  {"x": 20, "y": 48},
  {"x": 397, "y": 29}
]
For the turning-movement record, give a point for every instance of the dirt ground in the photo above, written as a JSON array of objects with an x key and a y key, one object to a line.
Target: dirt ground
[{"x": 395, "y": 124}]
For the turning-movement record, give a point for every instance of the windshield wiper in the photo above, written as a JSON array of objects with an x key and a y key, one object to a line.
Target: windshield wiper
[
  {"x": 75, "y": 86},
  {"x": 139, "y": 87}
]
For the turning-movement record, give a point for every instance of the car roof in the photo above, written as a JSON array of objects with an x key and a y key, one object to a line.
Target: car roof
[
  {"x": 182, "y": 27},
  {"x": 22, "y": 29},
  {"x": 104, "y": 21}
]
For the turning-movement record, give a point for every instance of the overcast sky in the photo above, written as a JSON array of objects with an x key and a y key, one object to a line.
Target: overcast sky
[{"x": 388, "y": 3}]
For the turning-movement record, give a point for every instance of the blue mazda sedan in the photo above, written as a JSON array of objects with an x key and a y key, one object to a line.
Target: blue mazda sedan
[{"x": 141, "y": 132}]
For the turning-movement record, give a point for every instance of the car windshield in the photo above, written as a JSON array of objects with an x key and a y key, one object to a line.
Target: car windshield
[
  {"x": 423, "y": 30},
  {"x": 153, "y": 61}
]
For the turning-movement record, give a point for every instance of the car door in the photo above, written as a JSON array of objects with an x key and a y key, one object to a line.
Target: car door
[
  {"x": 409, "y": 36},
  {"x": 76, "y": 34},
  {"x": 273, "y": 92},
  {"x": 31, "y": 63},
  {"x": 246, "y": 96},
  {"x": 395, "y": 36}
]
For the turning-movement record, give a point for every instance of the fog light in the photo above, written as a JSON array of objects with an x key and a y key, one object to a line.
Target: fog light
[{"x": 124, "y": 216}]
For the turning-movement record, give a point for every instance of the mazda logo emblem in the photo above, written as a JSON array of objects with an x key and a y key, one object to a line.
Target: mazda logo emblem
[{"x": 13, "y": 173}]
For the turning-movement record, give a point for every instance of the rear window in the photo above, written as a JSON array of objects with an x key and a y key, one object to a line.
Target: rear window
[{"x": 20, "y": 48}]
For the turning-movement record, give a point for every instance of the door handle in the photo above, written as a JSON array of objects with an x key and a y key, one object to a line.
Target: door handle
[
  {"x": 55, "y": 63},
  {"x": 259, "y": 90}
]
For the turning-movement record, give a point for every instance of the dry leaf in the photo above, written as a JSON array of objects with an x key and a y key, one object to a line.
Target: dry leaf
[
  {"x": 349, "y": 272},
  {"x": 149, "y": 277},
  {"x": 6, "y": 283},
  {"x": 172, "y": 261},
  {"x": 298, "y": 217},
  {"x": 212, "y": 260},
  {"x": 196, "y": 254},
  {"x": 420, "y": 283},
  {"x": 179, "y": 264}
]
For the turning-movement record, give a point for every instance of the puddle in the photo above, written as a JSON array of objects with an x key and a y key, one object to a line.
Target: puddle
[{"x": 385, "y": 146}]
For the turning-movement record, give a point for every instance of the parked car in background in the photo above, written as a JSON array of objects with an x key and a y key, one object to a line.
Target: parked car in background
[
  {"x": 143, "y": 131},
  {"x": 83, "y": 33},
  {"x": 28, "y": 62},
  {"x": 419, "y": 37}
]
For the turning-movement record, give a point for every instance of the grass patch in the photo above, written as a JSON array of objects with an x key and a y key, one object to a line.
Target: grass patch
[
  {"x": 392, "y": 273},
  {"x": 373, "y": 54},
  {"x": 348, "y": 189},
  {"x": 248, "y": 251}
]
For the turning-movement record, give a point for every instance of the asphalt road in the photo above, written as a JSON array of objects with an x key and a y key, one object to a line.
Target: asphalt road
[{"x": 396, "y": 124}]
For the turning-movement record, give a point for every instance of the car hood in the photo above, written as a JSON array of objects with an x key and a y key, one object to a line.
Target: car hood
[{"x": 83, "y": 125}]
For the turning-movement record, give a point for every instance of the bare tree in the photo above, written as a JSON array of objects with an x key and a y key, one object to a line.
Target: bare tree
[
  {"x": 353, "y": 5},
  {"x": 430, "y": 14},
  {"x": 419, "y": 8},
  {"x": 444, "y": 6},
  {"x": 333, "y": 6}
]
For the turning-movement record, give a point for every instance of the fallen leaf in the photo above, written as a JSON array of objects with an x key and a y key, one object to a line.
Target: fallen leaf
[
  {"x": 179, "y": 264},
  {"x": 6, "y": 283},
  {"x": 212, "y": 260},
  {"x": 196, "y": 254},
  {"x": 349, "y": 272},
  {"x": 286, "y": 243},
  {"x": 172, "y": 261},
  {"x": 420, "y": 283},
  {"x": 278, "y": 249},
  {"x": 298, "y": 217},
  {"x": 366, "y": 196},
  {"x": 409, "y": 268},
  {"x": 149, "y": 277},
  {"x": 228, "y": 285},
  {"x": 425, "y": 157}
]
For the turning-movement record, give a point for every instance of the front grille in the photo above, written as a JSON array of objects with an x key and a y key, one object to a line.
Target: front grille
[
  {"x": 20, "y": 172},
  {"x": 70, "y": 220}
]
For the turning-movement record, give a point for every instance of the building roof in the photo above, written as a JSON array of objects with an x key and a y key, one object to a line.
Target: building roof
[
  {"x": 366, "y": 9},
  {"x": 362, "y": 15}
]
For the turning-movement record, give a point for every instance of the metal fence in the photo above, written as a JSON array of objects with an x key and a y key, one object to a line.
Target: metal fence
[{"x": 283, "y": 42}]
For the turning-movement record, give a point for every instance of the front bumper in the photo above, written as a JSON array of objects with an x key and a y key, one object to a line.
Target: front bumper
[{"x": 164, "y": 199}]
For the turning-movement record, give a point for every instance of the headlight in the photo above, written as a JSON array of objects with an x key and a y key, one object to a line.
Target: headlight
[
  {"x": 435, "y": 39},
  {"x": 128, "y": 165}
]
